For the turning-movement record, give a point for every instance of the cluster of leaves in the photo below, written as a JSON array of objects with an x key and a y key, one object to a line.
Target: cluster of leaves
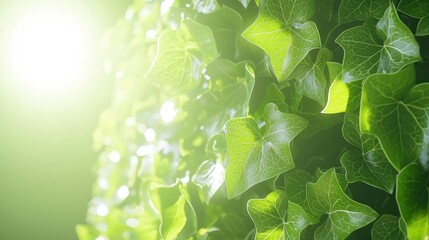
[{"x": 269, "y": 119}]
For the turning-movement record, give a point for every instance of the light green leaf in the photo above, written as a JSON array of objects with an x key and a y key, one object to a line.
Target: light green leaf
[
  {"x": 413, "y": 200},
  {"x": 181, "y": 57},
  {"x": 344, "y": 215},
  {"x": 387, "y": 228},
  {"x": 205, "y": 6},
  {"x": 385, "y": 49},
  {"x": 283, "y": 32},
  {"x": 209, "y": 177},
  {"x": 257, "y": 155},
  {"x": 361, "y": 9},
  {"x": 414, "y": 8},
  {"x": 276, "y": 218},
  {"x": 369, "y": 164},
  {"x": 310, "y": 76},
  {"x": 398, "y": 114},
  {"x": 173, "y": 219},
  {"x": 423, "y": 27}
]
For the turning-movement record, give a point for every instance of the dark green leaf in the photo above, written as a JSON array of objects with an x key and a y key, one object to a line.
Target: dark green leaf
[
  {"x": 423, "y": 27},
  {"x": 414, "y": 8},
  {"x": 256, "y": 156},
  {"x": 272, "y": 95},
  {"x": 344, "y": 215},
  {"x": 387, "y": 228},
  {"x": 398, "y": 114},
  {"x": 413, "y": 200},
  {"x": 369, "y": 164},
  {"x": 276, "y": 218},
  {"x": 361, "y": 9},
  {"x": 283, "y": 32},
  {"x": 385, "y": 49}
]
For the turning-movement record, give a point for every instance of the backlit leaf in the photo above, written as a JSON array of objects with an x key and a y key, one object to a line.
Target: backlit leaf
[
  {"x": 257, "y": 155},
  {"x": 283, "y": 31},
  {"x": 361, "y": 9}
]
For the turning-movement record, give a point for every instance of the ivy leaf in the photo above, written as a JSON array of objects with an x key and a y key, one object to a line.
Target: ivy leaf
[
  {"x": 310, "y": 76},
  {"x": 414, "y": 8},
  {"x": 369, "y": 164},
  {"x": 350, "y": 10},
  {"x": 295, "y": 185},
  {"x": 344, "y": 215},
  {"x": 173, "y": 219},
  {"x": 209, "y": 177},
  {"x": 387, "y": 228},
  {"x": 413, "y": 200},
  {"x": 325, "y": 8},
  {"x": 276, "y": 218},
  {"x": 257, "y": 155},
  {"x": 283, "y": 32},
  {"x": 386, "y": 49},
  {"x": 423, "y": 27},
  {"x": 398, "y": 114},
  {"x": 181, "y": 57},
  {"x": 205, "y": 6}
]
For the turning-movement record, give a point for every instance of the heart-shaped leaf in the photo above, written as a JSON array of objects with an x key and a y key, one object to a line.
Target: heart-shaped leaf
[
  {"x": 344, "y": 215},
  {"x": 283, "y": 31},
  {"x": 256, "y": 155},
  {"x": 387, "y": 48},
  {"x": 398, "y": 114},
  {"x": 276, "y": 218}
]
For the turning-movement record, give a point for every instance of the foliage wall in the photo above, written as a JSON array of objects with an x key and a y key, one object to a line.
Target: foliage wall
[{"x": 269, "y": 119}]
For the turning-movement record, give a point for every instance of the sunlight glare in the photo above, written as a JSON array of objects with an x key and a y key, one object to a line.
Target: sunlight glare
[{"x": 48, "y": 51}]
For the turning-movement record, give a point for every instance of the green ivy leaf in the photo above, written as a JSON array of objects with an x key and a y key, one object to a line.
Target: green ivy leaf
[
  {"x": 181, "y": 57},
  {"x": 310, "y": 76},
  {"x": 257, "y": 155},
  {"x": 173, "y": 219},
  {"x": 325, "y": 8},
  {"x": 423, "y": 27},
  {"x": 350, "y": 10},
  {"x": 344, "y": 215},
  {"x": 295, "y": 185},
  {"x": 387, "y": 228},
  {"x": 414, "y": 8},
  {"x": 369, "y": 164},
  {"x": 283, "y": 32},
  {"x": 398, "y": 114},
  {"x": 276, "y": 218},
  {"x": 413, "y": 200},
  {"x": 209, "y": 177},
  {"x": 386, "y": 49}
]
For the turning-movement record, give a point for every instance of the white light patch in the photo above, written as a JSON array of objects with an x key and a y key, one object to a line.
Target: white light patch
[
  {"x": 48, "y": 51},
  {"x": 123, "y": 192},
  {"x": 150, "y": 135},
  {"x": 114, "y": 156},
  {"x": 102, "y": 210},
  {"x": 132, "y": 222},
  {"x": 103, "y": 183},
  {"x": 168, "y": 111}
]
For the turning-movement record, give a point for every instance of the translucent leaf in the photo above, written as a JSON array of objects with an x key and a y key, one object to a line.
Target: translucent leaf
[
  {"x": 257, "y": 155},
  {"x": 283, "y": 32}
]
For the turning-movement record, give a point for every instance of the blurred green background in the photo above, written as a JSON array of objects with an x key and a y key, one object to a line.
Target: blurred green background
[{"x": 46, "y": 154}]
